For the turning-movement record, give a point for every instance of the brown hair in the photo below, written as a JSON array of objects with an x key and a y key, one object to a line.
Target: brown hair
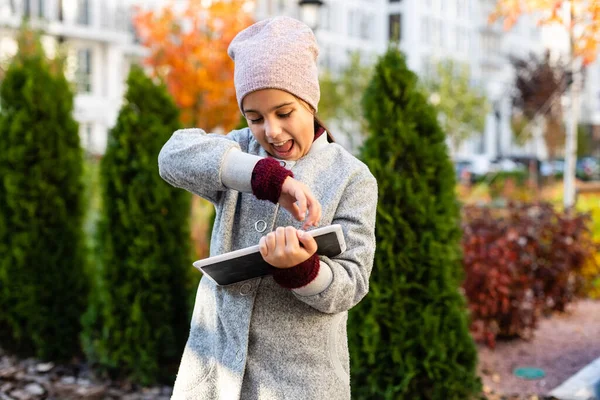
[{"x": 318, "y": 121}]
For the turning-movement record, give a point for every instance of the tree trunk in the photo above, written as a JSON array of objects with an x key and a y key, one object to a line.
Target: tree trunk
[{"x": 571, "y": 143}]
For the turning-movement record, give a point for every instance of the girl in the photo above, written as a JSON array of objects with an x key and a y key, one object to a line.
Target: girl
[{"x": 282, "y": 336}]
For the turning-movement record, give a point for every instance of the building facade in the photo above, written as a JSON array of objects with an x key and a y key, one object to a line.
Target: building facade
[
  {"x": 102, "y": 47},
  {"x": 433, "y": 30}
]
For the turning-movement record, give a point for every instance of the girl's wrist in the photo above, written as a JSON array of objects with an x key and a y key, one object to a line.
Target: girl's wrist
[
  {"x": 299, "y": 275},
  {"x": 267, "y": 179}
]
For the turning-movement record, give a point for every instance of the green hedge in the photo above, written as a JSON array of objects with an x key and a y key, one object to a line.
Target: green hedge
[
  {"x": 409, "y": 337},
  {"x": 138, "y": 320},
  {"x": 43, "y": 286}
]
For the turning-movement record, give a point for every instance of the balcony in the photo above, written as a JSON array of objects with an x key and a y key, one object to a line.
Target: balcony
[{"x": 93, "y": 20}]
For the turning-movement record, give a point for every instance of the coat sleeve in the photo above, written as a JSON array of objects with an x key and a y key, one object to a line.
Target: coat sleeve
[
  {"x": 194, "y": 160},
  {"x": 351, "y": 270}
]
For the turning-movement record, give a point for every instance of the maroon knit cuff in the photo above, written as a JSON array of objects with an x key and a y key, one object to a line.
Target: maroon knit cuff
[
  {"x": 300, "y": 275},
  {"x": 267, "y": 179}
]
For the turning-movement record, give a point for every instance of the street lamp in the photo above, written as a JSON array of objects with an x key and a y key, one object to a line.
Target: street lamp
[{"x": 309, "y": 12}]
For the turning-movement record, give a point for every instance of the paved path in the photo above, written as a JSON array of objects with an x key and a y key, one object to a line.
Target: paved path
[{"x": 584, "y": 385}]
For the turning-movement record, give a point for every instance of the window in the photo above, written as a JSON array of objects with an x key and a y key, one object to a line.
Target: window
[
  {"x": 325, "y": 59},
  {"x": 462, "y": 8},
  {"x": 41, "y": 8},
  {"x": 85, "y": 135},
  {"x": 426, "y": 30},
  {"x": 451, "y": 38},
  {"x": 427, "y": 67},
  {"x": 31, "y": 8},
  {"x": 436, "y": 32},
  {"x": 490, "y": 43},
  {"x": 60, "y": 12},
  {"x": 463, "y": 40},
  {"x": 489, "y": 70},
  {"x": 83, "y": 75},
  {"x": 83, "y": 12},
  {"x": 395, "y": 25},
  {"x": 352, "y": 23},
  {"x": 480, "y": 144},
  {"x": 359, "y": 25},
  {"x": 324, "y": 18},
  {"x": 366, "y": 22}
]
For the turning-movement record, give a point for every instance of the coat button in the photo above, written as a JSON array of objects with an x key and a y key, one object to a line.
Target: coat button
[
  {"x": 239, "y": 356},
  {"x": 260, "y": 226},
  {"x": 282, "y": 163},
  {"x": 246, "y": 289}
]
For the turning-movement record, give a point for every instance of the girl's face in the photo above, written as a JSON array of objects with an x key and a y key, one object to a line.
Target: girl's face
[{"x": 280, "y": 122}]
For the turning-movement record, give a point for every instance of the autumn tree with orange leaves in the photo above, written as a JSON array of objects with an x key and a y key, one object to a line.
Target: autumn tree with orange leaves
[
  {"x": 581, "y": 20},
  {"x": 188, "y": 50},
  {"x": 583, "y": 24}
]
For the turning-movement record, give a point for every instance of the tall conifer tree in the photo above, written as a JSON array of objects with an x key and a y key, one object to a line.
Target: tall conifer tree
[
  {"x": 409, "y": 337},
  {"x": 138, "y": 320},
  {"x": 43, "y": 285}
]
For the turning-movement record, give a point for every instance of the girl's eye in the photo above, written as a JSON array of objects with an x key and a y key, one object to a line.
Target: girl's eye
[{"x": 259, "y": 120}]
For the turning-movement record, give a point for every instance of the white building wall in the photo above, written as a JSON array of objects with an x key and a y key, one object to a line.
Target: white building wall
[
  {"x": 590, "y": 110},
  {"x": 344, "y": 26}
]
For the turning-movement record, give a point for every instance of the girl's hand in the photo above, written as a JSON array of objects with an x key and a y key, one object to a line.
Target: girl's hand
[
  {"x": 287, "y": 247},
  {"x": 297, "y": 198}
]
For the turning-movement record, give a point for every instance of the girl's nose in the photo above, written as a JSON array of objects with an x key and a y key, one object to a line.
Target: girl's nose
[{"x": 272, "y": 129}]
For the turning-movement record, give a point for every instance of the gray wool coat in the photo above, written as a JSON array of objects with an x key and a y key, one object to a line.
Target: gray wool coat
[{"x": 257, "y": 340}]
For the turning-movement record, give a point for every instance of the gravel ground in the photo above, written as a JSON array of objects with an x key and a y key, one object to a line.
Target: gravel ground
[
  {"x": 563, "y": 344},
  {"x": 30, "y": 379}
]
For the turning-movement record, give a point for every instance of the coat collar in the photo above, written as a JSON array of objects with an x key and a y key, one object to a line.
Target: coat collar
[{"x": 320, "y": 143}]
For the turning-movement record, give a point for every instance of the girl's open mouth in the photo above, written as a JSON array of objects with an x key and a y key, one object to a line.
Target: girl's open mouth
[{"x": 283, "y": 149}]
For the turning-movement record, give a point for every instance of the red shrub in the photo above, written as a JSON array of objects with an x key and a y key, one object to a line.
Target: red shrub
[{"x": 519, "y": 262}]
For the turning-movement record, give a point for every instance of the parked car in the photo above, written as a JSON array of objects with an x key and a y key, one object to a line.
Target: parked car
[
  {"x": 587, "y": 169},
  {"x": 474, "y": 167},
  {"x": 506, "y": 165},
  {"x": 552, "y": 168},
  {"x": 463, "y": 170}
]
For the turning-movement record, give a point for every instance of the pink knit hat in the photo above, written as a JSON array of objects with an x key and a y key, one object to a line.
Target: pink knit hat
[{"x": 276, "y": 53}]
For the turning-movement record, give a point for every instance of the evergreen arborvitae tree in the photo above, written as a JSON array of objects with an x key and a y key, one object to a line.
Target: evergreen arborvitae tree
[
  {"x": 409, "y": 337},
  {"x": 138, "y": 321},
  {"x": 43, "y": 286}
]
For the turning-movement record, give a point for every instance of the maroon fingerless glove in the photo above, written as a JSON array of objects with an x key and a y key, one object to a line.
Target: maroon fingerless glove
[
  {"x": 267, "y": 179},
  {"x": 300, "y": 275},
  {"x": 268, "y": 175}
]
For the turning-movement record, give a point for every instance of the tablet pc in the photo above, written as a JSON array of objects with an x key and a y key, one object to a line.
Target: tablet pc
[{"x": 244, "y": 264}]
